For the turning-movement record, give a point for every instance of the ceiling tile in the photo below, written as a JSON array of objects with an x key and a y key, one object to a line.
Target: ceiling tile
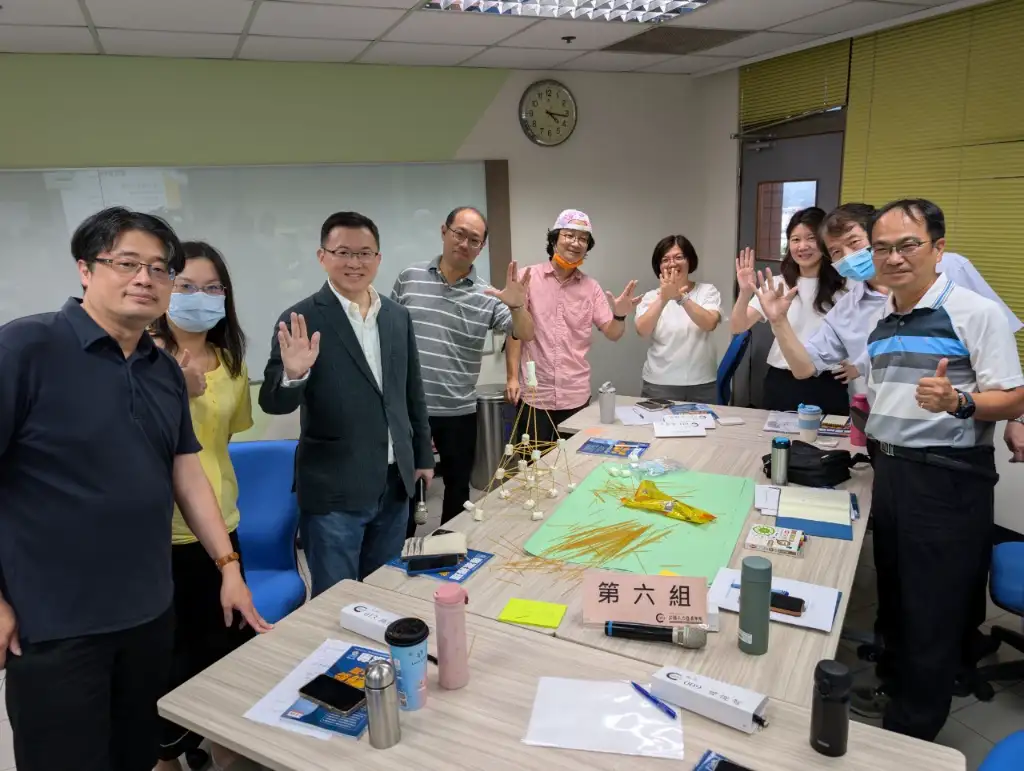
[
  {"x": 418, "y": 53},
  {"x": 759, "y": 43},
  {"x": 685, "y": 65},
  {"x": 742, "y": 14},
  {"x": 132, "y": 42},
  {"x": 171, "y": 15},
  {"x": 848, "y": 17},
  {"x": 590, "y": 35},
  {"x": 324, "y": 21},
  {"x": 609, "y": 61},
  {"x": 296, "y": 49},
  {"x": 457, "y": 28},
  {"x": 46, "y": 40},
  {"x": 406, "y": 4},
  {"x": 522, "y": 58},
  {"x": 63, "y": 12}
]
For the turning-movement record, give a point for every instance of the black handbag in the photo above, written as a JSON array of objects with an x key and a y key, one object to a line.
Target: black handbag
[{"x": 814, "y": 467}]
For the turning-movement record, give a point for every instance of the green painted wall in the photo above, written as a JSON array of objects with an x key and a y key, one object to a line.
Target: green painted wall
[{"x": 71, "y": 111}]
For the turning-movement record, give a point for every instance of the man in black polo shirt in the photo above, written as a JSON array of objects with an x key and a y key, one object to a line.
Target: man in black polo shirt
[{"x": 96, "y": 444}]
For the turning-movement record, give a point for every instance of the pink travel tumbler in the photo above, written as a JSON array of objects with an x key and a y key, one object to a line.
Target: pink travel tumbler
[
  {"x": 857, "y": 438},
  {"x": 452, "y": 658}
]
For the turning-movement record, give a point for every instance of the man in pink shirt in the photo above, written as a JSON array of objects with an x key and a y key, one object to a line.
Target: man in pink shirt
[{"x": 565, "y": 304}]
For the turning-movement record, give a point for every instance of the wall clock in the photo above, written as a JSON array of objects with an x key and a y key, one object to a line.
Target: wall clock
[{"x": 547, "y": 113}]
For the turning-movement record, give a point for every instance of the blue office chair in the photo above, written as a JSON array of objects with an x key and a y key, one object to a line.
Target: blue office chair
[
  {"x": 1008, "y": 755},
  {"x": 270, "y": 520},
  {"x": 727, "y": 367},
  {"x": 1006, "y": 585}
]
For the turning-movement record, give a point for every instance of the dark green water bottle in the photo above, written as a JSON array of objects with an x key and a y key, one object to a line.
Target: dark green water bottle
[{"x": 755, "y": 605}]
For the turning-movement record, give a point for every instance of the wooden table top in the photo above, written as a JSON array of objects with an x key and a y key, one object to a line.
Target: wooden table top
[
  {"x": 785, "y": 672},
  {"x": 481, "y": 726}
]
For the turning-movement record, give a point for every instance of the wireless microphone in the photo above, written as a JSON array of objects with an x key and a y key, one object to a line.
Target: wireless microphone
[{"x": 692, "y": 637}]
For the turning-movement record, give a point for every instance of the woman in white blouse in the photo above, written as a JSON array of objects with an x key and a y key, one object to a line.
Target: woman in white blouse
[
  {"x": 679, "y": 318},
  {"x": 816, "y": 286}
]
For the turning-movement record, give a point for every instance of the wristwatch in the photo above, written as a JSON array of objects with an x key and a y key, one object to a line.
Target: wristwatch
[
  {"x": 684, "y": 297},
  {"x": 1019, "y": 419},
  {"x": 965, "y": 405},
  {"x": 618, "y": 318}
]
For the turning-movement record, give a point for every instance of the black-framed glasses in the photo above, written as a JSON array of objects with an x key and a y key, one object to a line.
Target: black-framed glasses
[
  {"x": 187, "y": 287},
  {"x": 460, "y": 235},
  {"x": 364, "y": 256},
  {"x": 158, "y": 271},
  {"x": 906, "y": 248}
]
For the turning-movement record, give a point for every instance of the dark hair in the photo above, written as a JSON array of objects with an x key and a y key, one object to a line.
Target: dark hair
[
  {"x": 450, "y": 220},
  {"x": 829, "y": 281},
  {"x": 553, "y": 239},
  {"x": 839, "y": 221},
  {"x": 664, "y": 245},
  {"x": 921, "y": 211},
  {"x": 348, "y": 219},
  {"x": 227, "y": 335},
  {"x": 98, "y": 234}
]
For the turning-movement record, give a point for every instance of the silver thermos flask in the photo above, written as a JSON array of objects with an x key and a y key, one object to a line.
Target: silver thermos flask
[
  {"x": 606, "y": 402},
  {"x": 382, "y": 705},
  {"x": 780, "y": 460}
]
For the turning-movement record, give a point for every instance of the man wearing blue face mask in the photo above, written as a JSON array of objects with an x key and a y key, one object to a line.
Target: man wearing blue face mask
[{"x": 843, "y": 334}]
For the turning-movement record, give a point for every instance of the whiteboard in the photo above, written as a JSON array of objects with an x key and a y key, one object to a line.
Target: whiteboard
[{"x": 265, "y": 220}]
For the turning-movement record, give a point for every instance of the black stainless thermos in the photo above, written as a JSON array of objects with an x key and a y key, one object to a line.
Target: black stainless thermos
[{"x": 830, "y": 708}]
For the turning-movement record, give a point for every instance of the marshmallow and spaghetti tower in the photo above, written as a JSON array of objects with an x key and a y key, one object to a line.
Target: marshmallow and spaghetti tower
[{"x": 529, "y": 472}]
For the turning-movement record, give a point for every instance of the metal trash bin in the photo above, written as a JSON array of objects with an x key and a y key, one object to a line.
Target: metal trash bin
[{"x": 490, "y": 434}]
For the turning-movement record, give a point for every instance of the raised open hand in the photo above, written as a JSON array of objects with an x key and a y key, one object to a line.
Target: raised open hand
[
  {"x": 625, "y": 302},
  {"x": 298, "y": 349},
  {"x": 745, "y": 276},
  {"x": 671, "y": 284},
  {"x": 774, "y": 297},
  {"x": 514, "y": 293}
]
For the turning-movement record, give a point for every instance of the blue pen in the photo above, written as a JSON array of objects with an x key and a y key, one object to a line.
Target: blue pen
[
  {"x": 783, "y": 592},
  {"x": 654, "y": 700}
]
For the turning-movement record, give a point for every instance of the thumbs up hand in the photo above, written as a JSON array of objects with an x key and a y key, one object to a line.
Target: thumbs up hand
[
  {"x": 195, "y": 375},
  {"x": 936, "y": 394}
]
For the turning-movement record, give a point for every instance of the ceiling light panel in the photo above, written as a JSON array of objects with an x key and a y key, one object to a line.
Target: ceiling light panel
[{"x": 655, "y": 11}]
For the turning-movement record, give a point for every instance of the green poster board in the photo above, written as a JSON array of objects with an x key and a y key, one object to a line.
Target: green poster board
[{"x": 688, "y": 549}]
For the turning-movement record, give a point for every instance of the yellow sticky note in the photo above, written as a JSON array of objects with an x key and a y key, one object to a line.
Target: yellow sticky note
[
  {"x": 667, "y": 573},
  {"x": 543, "y": 614}
]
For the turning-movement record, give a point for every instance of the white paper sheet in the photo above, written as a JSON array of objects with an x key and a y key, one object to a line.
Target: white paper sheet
[
  {"x": 602, "y": 716},
  {"x": 766, "y": 499},
  {"x": 636, "y": 416},
  {"x": 680, "y": 425},
  {"x": 782, "y": 423},
  {"x": 821, "y": 601},
  {"x": 816, "y": 504},
  {"x": 269, "y": 709}
]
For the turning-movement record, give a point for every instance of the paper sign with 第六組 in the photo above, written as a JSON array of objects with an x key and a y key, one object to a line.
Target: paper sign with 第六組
[{"x": 655, "y": 600}]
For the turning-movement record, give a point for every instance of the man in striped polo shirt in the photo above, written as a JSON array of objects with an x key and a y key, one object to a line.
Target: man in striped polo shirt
[
  {"x": 942, "y": 368},
  {"x": 452, "y": 309}
]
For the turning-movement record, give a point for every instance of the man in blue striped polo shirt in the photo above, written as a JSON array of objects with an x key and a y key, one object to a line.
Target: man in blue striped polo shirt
[
  {"x": 942, "y": 368},
  {"x": 452, "y": 309}
]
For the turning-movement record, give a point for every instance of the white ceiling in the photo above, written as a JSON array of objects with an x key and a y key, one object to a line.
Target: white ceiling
[{"x": 397, "y": 32}]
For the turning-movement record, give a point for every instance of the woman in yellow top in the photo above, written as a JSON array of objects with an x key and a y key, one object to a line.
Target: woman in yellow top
[{"x": 202, "y": 332}]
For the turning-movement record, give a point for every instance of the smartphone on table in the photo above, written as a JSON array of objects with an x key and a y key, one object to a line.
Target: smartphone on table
[{"x": 333, "y": 694}]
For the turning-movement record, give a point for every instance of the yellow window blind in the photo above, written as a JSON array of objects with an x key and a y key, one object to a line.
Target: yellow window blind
[
  {"x": 794, "y": 85},
  {"x": 936, "y": 111}
]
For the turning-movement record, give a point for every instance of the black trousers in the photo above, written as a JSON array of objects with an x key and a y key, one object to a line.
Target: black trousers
[
  {"x": 785, "y": 393},
  {"x": 455, "y": 440},
  {"x": 547, "y": 422},
  {"x": 89, "y": 703},
  {"x": 933, "y": 532},
  {"x": 200, "y": 637}
]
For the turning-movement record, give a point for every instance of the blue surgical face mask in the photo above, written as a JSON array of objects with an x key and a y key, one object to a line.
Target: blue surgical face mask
[
  {"x": 196, "y": 312},
  {"x": 859, "y": 266}
]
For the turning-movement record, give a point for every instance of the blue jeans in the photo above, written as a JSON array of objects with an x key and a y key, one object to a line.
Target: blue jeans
[{"x": 352, "y": 544}]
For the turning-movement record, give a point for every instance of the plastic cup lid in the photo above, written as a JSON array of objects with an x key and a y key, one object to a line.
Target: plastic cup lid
[{"x": 406, "y": 632}]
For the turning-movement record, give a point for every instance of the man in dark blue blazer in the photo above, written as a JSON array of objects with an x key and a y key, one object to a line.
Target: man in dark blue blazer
[{"x": 346, "y": 356}]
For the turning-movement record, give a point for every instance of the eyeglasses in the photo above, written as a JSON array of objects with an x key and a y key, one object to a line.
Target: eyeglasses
[
  {"x": 905, "y": 249},
  {"x": 460, "y": 235},
  {"x": 365, "y": 256},
  {"x": 184, "y": 287},
  {"x": 158, "y": 272},
  {"x": 575, "y": 237}
]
